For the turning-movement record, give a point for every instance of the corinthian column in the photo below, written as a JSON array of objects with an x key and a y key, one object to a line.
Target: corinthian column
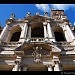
[
  {"x": 29, "y": 32},
  {"x": 45, "y": 30},
  {"x": 23, "y": 32},
  {"x": 4, "y": 32},
  {"x": 68, "y": 33},
  {"x": 24, "y": 28},
  {"x": 50, "y": 31},
  {"x": 16, "y": 67},
  {"x": 57, "y": 67}
]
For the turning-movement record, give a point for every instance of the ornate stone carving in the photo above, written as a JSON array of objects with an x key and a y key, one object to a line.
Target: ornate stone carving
[{"x": 36, "y": 55}]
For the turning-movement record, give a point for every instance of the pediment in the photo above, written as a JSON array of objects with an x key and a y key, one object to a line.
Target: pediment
[{"x": 35, "y": 18}]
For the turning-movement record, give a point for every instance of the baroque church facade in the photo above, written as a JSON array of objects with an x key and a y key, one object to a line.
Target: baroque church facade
[{"x": 38, "y": 43}]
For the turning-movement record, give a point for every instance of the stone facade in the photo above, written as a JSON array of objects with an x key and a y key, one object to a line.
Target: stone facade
[{"x": 38, "y": 43}]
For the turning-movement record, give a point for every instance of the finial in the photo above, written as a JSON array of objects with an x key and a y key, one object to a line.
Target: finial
[
  {"x": 46, "y": 13},
  {"x": 12, "y": 16},
  {"x": 37, "y": 13},
  {"x": 28, "y": 14}
]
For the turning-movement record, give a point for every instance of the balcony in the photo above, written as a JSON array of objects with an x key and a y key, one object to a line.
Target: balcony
[
  {"x": 64, "y": 46},
  {"x": 39, "y": 40},
  {"x": 9, "y": 46}
]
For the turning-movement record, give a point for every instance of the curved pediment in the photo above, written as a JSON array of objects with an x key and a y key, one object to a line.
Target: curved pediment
[
  {"x": 35, "y": 18},
  {"x": 44, "y": 49}
]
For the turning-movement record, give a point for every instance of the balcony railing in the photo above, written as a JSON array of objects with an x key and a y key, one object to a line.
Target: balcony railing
[
  {"x": 64, "y": 46},
  {"x": 39, "y": 40},
  {"x": 64, "y": 43},
  {"x": 13, "y": 43}
]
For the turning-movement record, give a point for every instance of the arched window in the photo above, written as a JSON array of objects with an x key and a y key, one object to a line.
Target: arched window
[
  {"x": 14, "y": 34},
  {"x": 58, "y": 33},
  {"x": 37, "y": 32},
  {"x": 15, "y": 37}
]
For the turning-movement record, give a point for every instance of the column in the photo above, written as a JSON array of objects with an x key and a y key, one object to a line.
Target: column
[
  {"x": 57, "y": 67},
  {"x": 66, "y": 36},
  {"x": 23, "y": 32},
  {"x": 70, "y": 32},
  {"x": 26, "y": 30},
  {"x": 70, "y": 35},
  {"x": 45, "y": 30},
  {"x": 29, "y": 32},
  {"x": 15, "y": 68},
  {"x": 50, "y": 68},
  {"x": 19, "y": 69},
  {"x": 50, "y": 32},
  {"x": 4, "y": 32},
  {"x": 24, "y": 68}
]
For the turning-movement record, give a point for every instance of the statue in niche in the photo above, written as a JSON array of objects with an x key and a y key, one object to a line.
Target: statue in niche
[{"x": 36, "y": 55}]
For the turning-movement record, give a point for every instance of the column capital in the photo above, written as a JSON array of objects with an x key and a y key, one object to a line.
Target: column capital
[
  {"x": 26, "y": 21},
  {"x": 55, "y": 59},
  {"x": 48, "y": 21},
  {"x": 44, "y": 23}
]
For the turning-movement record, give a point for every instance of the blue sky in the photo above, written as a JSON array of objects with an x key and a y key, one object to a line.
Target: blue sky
[{"x": 20, "y": 10}]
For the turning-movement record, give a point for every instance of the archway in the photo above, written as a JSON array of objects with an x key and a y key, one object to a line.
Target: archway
[
  {"x": 15, "y": 37},
  {"x": 37, "y": 29},
  {"x": 37, "y": 32},
  {"x": 14, "y": 34},
  {"x": 58, "y": 33}
]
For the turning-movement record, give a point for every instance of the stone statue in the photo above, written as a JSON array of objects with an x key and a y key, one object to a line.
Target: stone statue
[
  {"x": 12, "y": 15},
  {"x": 36, "y": 55},
  {"x": 28, "y": 14}
]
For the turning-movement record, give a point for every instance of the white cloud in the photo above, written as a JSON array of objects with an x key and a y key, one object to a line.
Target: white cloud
[
  {"x": 62, "y": 6},
  {"x": 48, "y": 7},
  {"x": 43, "y": 7}
]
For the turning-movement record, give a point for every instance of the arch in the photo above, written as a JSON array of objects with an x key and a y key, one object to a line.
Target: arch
[
  {"x": 14, "y": 34},
  {"x": 58, "y": 33},
  {"x": 37, "y": 24},
  {"x": 37, "y": 30},
  {"x": 45, "y": 48}
]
